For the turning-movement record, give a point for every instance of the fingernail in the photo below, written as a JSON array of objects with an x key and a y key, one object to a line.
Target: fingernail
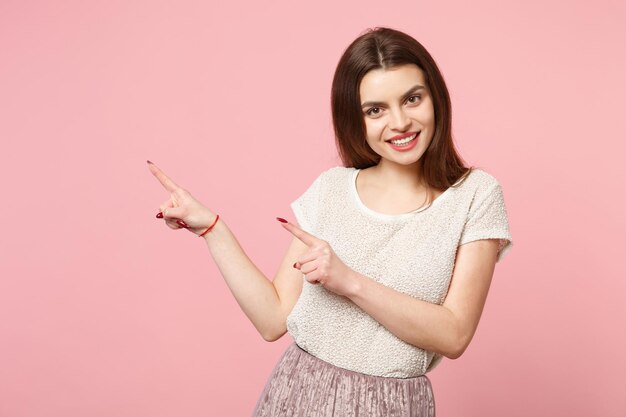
[
  {"x": 294, "y": 265},
  {"x": 159, "y": 215},
  {"x": 181, "y": 223},
  {"x": 149, "y": 161},
  {"x": 280, "y": 219}
]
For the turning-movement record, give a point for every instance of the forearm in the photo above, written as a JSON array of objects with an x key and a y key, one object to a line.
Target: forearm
[
  {"x": 254, "y": 293},
  {"x": 426, "y": 325}
]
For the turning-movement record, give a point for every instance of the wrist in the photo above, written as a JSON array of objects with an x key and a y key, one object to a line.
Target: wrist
[
  {"x": 356, "y": 284},
  {"x": 214, "y": 227}
]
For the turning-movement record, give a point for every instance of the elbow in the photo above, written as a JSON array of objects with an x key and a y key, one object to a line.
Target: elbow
[
  {"x": 273, "y": 335},
  {"x": 458, "y": 347},
  {"x": 269, "y": 337},
  {"x": 455, "y": 353}
]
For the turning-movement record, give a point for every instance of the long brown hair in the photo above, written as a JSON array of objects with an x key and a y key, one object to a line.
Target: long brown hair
[{"x": 385, "y": 48}]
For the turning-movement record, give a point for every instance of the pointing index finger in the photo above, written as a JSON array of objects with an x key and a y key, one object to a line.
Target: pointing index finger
[
  {"x": 163, "y": 179},
  {"x": 305, "y": 237}
]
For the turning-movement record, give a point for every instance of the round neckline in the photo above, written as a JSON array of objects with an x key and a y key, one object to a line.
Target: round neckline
[{"x": 385, "y": 216}]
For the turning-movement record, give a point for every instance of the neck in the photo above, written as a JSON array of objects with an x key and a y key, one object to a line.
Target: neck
[{"x": 397, "y": 176}]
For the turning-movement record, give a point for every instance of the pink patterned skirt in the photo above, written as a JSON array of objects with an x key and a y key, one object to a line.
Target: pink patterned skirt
[{"x": 302, "y": 385}]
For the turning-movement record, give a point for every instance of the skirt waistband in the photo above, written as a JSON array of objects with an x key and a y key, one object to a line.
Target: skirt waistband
[
  {"x": 304, "y": 385},
  {"x": 322, "y": 362}
]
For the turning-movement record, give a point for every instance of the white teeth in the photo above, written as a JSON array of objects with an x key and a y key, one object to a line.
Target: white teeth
[{"x": 404, "y": 141}]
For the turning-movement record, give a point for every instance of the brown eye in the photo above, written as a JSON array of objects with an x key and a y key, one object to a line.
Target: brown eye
[
  {"x": 373, "y": 111},
  {"x": 416, "y": 98}
]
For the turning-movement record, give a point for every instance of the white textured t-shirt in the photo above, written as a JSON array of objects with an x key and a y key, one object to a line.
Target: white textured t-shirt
[{"x": 413, "y": 253}]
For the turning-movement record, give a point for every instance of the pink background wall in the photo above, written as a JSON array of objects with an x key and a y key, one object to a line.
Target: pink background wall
[{"x": 104, "y": 311}]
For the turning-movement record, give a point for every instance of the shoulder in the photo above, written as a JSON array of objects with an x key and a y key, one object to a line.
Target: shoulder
[
  {"x": 338, "y": 170},
  {"x": 336, "y": 173},
  {"x": 481, "y": 176},
  {"x": 478, "y": 186},
  {"x": 481, "y": 181},
  {"x": 328, "y": 177},
  {"x": 482, "y": 190}
]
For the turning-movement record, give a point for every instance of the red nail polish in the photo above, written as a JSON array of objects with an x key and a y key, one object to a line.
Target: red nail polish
[
  {"x": 181, "y": 223},
  {"x": 149, "y": 161},
  {"x": 159, "y": 215},
  {"x": 294, "y": 265},
  {"x": 280, "y": 219}
]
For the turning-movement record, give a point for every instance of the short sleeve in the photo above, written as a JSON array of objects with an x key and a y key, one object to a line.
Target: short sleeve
[
  {"x": 306, "y": 206},
  {"x": 488, "y": 219}
]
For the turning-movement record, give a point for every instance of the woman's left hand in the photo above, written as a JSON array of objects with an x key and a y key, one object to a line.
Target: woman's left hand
[{"x": 320, "y": 264}]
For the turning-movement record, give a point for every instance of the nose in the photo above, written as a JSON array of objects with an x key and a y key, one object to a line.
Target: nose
[{"x": 399, "y": 120}]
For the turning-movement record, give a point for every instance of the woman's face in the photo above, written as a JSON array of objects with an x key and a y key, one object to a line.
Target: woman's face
[{"x": 396, "y": 104}]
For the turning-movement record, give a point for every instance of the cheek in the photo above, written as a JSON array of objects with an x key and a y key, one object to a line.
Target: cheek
[
  {"x": 429, "y": 114},
  {"x": 370, "y": 129},
  {"x": 373, "y": 127},
  {"x": 424, "y": 115}
]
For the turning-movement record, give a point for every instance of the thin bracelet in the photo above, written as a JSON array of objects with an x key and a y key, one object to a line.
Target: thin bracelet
[{"x": 210, "y": 227}]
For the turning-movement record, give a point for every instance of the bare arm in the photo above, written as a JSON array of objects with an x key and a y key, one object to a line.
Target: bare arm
[
  {"x": 266, "y": 303},
  {"x": 446, "y": 329}
]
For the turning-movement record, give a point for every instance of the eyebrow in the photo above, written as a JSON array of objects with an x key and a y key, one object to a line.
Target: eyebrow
[{"x": 404, "y": 96}]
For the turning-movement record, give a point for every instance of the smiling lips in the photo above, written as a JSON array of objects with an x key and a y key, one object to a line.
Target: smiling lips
[
  {"x": 405, "y": 135},
  {"x": 405, "y": 143}
]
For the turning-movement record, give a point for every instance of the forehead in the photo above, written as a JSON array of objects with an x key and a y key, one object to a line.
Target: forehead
[{"x": 390, "y": 82}]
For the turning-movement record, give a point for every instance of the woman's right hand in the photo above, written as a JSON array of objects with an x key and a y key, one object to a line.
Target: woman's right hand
[{"x": 181, "y": 206}]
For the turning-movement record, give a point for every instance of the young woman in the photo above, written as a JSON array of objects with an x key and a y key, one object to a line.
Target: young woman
[{"x": 390, "y": 267}]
